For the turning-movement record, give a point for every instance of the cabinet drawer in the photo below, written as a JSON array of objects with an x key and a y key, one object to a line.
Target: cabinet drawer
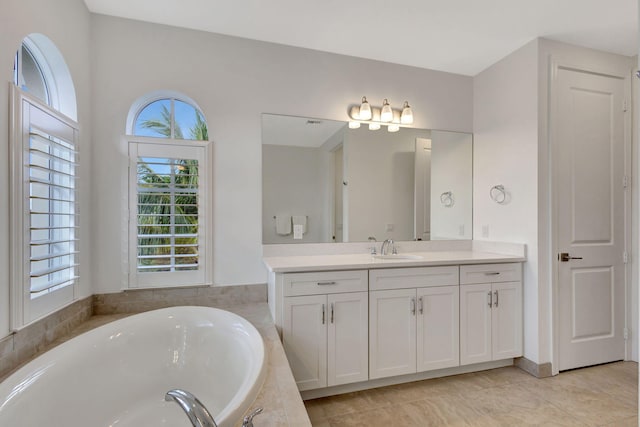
[
  {"x": 490, "y": 273},
  {"x": 329, "y": 282},
  {"x": 416, "y": 277}
]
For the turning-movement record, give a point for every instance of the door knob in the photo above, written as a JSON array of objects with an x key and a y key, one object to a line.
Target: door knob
[{"x": 564, "y": 257}]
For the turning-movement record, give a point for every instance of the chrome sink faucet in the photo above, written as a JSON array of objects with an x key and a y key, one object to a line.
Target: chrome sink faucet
[
  {"x": 195, "y": 410},
  {"x": 384, "y": 250}
]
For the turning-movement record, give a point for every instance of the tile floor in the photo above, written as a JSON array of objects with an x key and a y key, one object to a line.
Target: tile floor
[{"x": 605, "y": 395}]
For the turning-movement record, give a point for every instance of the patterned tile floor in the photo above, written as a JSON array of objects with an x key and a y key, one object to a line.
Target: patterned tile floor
[{"x": 605, "y": 395}]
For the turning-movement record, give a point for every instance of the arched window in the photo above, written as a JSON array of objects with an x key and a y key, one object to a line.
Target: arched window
[
  {"x": 170, "y": 117},
  {"x": 44, "y": 152},
  {"x": 168, "y": 187},
  {"x": 40, "y": 70}
]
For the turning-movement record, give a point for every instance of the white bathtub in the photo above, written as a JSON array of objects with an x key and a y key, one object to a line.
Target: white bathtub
[{"x": 118, "y": 374}]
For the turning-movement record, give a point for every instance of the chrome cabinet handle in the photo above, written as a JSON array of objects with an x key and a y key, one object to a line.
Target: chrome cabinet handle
[
  {"x": 495, "y": 304},
  {"x": 490, "y": 300},
  {"x": 421, "y": 305},
  {"x": 331, "y": 312},
  {"x": 323, "y": 314},
  {"x": 326, "y": 283},
  {"x": 413, "y": 306}
]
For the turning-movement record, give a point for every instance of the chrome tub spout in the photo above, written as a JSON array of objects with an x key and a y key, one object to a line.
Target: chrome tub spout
[{"x": 195, "y": 410}]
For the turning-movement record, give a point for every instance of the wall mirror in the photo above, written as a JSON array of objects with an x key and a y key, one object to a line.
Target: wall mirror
[{"x": 325, "y": 183}]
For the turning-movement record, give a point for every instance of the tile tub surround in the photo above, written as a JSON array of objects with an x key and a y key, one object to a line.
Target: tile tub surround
[
  {"x": 605, "y": 395},
  {"x": 23, "y": 345},
  {"x": 139, "y": 300}
]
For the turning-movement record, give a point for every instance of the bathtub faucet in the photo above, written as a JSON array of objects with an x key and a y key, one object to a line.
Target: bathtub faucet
[{"x": 195, "y": 410}]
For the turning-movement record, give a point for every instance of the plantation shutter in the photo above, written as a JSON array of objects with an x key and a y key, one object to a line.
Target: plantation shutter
[
  {"x": 45, "y": 216},
  {"x": 53, "y": 211},
  {"x": 166, "y": 215}
]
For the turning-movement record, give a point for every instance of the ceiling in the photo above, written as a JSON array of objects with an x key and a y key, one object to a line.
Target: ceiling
[{"x": 458, "y": 36}]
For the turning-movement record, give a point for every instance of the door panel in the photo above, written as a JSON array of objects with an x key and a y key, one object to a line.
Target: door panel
[
  {"x": 348, "y": 349},
  {"x": 392, "y": 332},
  {"x": 589, "y": 131},
  {"x": 438, "y": 331},
  {"x": 506, "y": 320},
  {"x": 304, "y": 337},
  {"x": 475, "y": 323}
]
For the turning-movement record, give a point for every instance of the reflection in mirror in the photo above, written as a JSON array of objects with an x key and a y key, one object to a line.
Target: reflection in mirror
[{"x": 324, "y": 182}]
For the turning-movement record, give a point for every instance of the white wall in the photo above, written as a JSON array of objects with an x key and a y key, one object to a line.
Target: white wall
[
  {"x": 66, "y": 23},
  {"x": 505, "y": 122},
  {"x": 234, "y": 81},
  {"x": 299, "y": 181}
]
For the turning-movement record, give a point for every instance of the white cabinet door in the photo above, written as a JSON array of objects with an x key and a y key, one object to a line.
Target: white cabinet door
[
  {"x": 392, "y": 333},
  {"x": 475, "y": 323},
  {"x": 438, "y": 328},
  {"x": 347, "y": 349},
  {"x": 304, "y": 336},
  {"x": 506, "y": 337}
]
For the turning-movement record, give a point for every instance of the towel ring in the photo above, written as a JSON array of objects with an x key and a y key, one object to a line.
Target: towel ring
[
  {"x": 446, "y": 199},
  {"x": 498, "y": 194}
]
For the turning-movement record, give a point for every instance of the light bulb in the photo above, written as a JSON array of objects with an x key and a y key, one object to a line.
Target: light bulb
[
  {"x": 386, "y": 115},
  {"x": 374, "y": 126},
  {"x": 406, "y": 118},
  {"x": 365, "y": 109},
  {"x": 354, "y": 125},
  {"x": 393, "y": 128}
]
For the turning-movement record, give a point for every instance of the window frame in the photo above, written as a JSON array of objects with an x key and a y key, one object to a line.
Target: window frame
[
  {"x": 24, "y": 309},
  {"x": 176, "y": 148}
]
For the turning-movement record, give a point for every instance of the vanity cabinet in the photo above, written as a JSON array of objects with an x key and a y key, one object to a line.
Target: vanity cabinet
[
  {"x": 324, "y": 331},
  {"x": 414, "y": 320},
  {"x": 490, "y": 312}
]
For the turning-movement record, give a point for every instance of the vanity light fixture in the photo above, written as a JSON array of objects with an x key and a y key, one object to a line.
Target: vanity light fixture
[
  {"x": 365, "y": 109},
  {"x": 406, "y": 117},
  {"x": 386, "y": 115},
  {"x": 376, "y": 117}
]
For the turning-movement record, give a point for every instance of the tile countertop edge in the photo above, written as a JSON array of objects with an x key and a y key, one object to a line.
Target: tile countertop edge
[{"x": 293, "y": 264}]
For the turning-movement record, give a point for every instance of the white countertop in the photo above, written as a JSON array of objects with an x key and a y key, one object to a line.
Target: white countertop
[{"x": 290, "y": 264}]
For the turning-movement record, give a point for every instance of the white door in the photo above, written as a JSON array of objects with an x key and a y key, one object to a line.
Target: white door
[
  {"x": 438, "y": 328},
  {"x": 590, "y": 145},
  {"x": 348, "y": 338},
  {"x": 304, "y": 337},
  {"x": 506, "y": 320},
  {"x": 392, "y": 333},
  {"x": 475, "y": 323}
]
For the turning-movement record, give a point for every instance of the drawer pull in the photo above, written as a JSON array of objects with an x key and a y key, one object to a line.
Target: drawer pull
[
  {"x": 495, "y": 304},
  {"x": 421, "y": 305},
  {"x": 413, "y": 306},
  {"x": 331, "y": 312},
  {"x": 323, "y": 314},
  {"x": 490, "y": 303},
  {"x": 492, "y": 273},
  {"x": 326, "y": 283}
]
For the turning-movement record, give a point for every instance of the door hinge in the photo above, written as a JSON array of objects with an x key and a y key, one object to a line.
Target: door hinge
[
  {"x": 625, "y": 105},
  {"x": 625, "y": 181},
  {"x": 625, "y": 333},
  {"x": 625, "y": 257}
]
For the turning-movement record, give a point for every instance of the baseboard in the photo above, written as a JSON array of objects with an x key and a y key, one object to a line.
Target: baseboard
[{"x": 542, "y": 370}]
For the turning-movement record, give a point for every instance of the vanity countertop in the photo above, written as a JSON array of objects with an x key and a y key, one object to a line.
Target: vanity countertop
[{"x": 291, "y": 264}]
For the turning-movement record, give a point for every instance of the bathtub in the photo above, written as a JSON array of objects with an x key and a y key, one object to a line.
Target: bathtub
[{"x": 118, "y": 374}]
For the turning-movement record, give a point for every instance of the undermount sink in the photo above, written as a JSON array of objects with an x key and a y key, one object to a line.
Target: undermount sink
[{"x": 397, "y": 256}]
